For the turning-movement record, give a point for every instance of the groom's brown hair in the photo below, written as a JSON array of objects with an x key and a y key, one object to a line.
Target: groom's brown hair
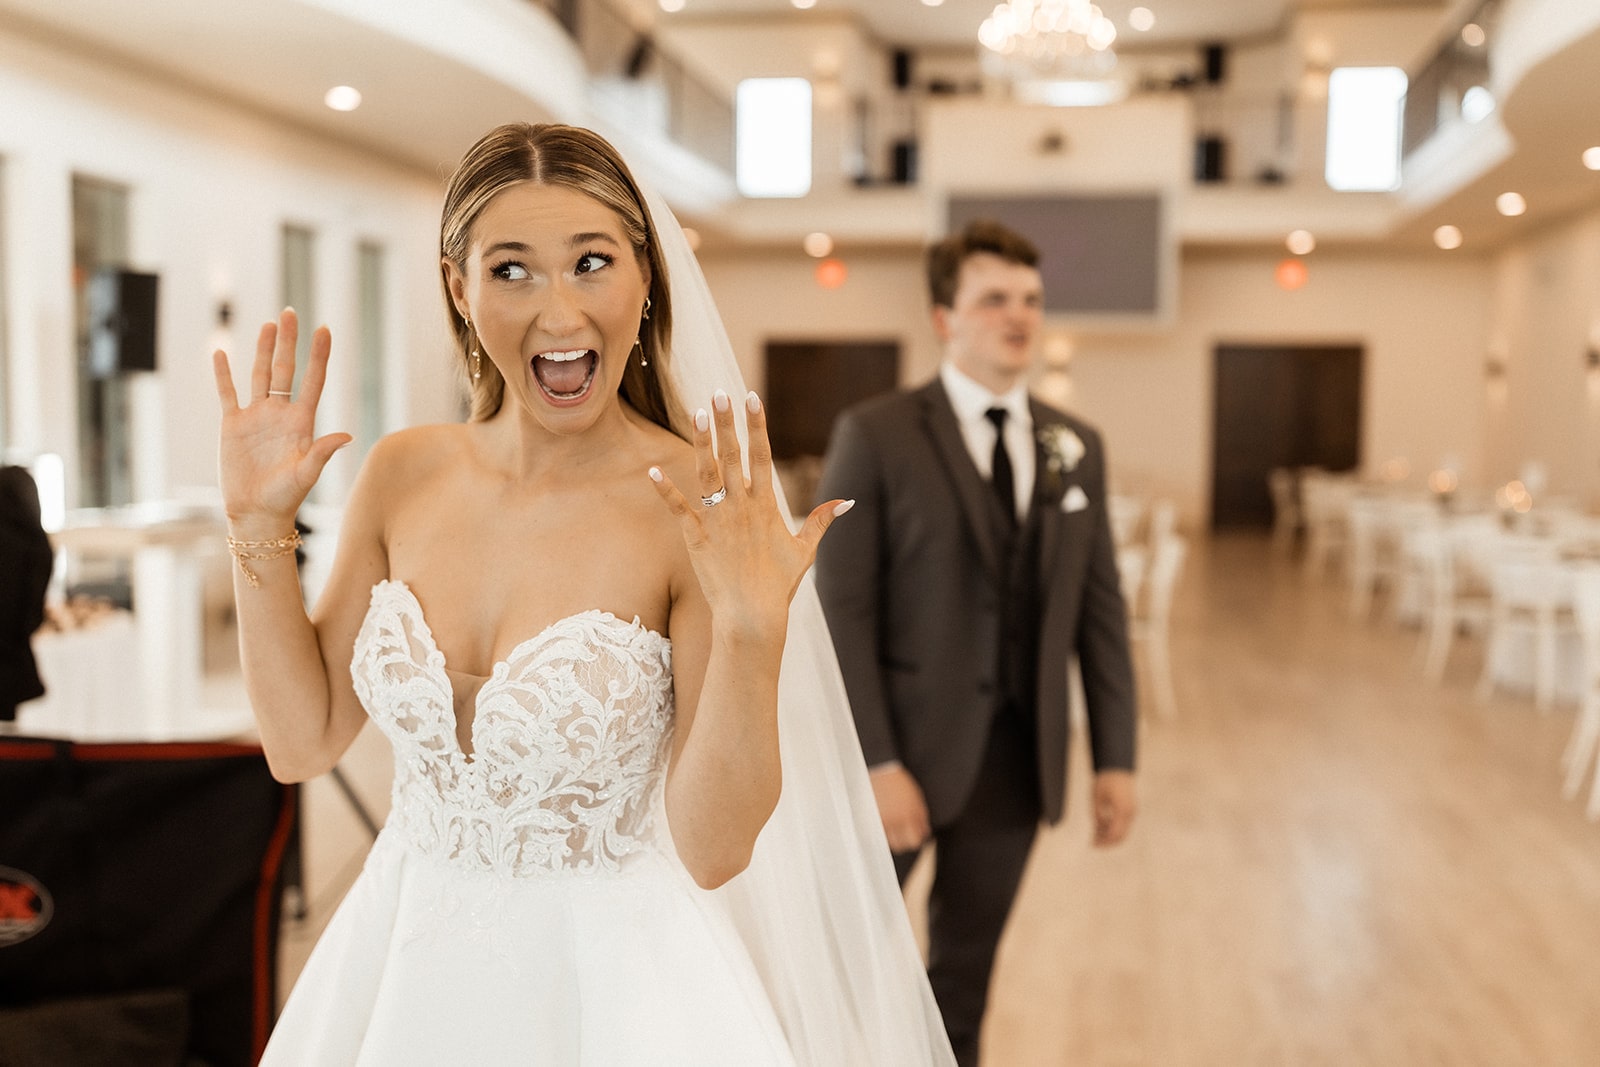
[{"x": 979, "y": 235}]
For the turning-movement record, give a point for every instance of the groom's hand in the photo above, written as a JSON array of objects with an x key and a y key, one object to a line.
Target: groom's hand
[
  {"x": 1114, "y": 806},
  {"x": 901, "y": 807}
]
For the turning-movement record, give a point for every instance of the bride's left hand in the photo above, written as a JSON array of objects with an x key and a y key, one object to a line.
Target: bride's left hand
[{"x": 748, "y": 563}]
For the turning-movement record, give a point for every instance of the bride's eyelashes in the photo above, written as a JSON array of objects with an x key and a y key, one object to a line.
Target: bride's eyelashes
[{"x": 513, "y": 270}]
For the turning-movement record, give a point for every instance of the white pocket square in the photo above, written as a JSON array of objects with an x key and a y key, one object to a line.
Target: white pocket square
[{"x": 1075, "y": 500}]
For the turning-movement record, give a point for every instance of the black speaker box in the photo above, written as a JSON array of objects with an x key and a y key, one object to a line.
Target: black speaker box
[
  {"x": 122, "y": 322},
  {"x": 903, "y": 158},
  {"x": 902, "y": 68},
  {"x": 1210, "y": 159},
  {"x": 1216, "y": 63}
]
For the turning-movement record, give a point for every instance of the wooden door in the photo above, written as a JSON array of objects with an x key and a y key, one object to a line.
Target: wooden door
[{"x": 1279, "y": 406}]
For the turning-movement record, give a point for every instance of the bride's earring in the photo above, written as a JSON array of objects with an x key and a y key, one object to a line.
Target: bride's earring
[
  {"x": 477, "y": 357},
  {"x": 644, "y": 360}
]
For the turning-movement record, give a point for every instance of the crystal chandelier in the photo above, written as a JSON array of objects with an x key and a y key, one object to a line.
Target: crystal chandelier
[{"x": 1049, "y": 40}]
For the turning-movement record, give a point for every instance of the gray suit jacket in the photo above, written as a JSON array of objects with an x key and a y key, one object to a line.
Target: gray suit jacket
[{"x": 910, "y": 582}]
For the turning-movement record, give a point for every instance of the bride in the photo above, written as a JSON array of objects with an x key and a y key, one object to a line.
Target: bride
[{"x": 630, "y": 820}]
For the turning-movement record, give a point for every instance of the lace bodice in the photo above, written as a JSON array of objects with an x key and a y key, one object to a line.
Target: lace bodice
[{"x": 569, "y": 740}]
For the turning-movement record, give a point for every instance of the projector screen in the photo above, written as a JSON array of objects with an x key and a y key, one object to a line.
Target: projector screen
[{"x": 1104, "y": 258}]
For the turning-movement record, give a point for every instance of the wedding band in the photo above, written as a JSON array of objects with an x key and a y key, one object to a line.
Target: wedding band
[
  {"x": 715, "y": 498},
  {"x": 278, "y": 392}
]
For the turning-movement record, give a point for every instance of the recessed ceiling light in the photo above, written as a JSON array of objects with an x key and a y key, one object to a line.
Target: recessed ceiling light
[
  {"x": 1301, "y": 242},
  {"x": 1591, "y": 157},
  {"x": 671, "y": 6},
  {"x": 803, "y": 4},
  {"x": 1510, "y": 204},
  {"x": 342, "y": 98},
  {"x": 1477, "y": 104},
  {"x": 1473, "y": 35},
  {"x": 1447, "y": 238},
  {"x": 817, "y": 244},
  {"x": 1141, "y": 19},
  {"x": 932, "y": 3}
]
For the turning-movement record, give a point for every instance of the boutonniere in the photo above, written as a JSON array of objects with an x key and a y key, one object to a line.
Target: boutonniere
[{"x": 1062, "y": 447}]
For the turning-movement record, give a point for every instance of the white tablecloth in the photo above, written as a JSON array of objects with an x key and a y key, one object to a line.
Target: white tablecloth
[{"x": 96, "y": 690}]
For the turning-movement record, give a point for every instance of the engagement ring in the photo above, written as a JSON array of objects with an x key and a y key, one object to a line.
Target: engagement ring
[{"x": 715, "y": 498}]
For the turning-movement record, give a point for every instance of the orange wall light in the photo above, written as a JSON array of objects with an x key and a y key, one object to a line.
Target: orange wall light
[{"x": 1291, "y": 274}]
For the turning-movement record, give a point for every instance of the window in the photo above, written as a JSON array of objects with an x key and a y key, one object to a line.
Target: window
[
  {"x": 99, "y": 239},
  {"x": 1364, "y": 106},
  {"x": 772, "y": 131},
  {"x": 298, "y": 285},
  {"x": 369, "y": 283}
]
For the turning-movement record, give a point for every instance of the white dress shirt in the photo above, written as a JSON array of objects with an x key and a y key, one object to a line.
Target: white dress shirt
[{"x": 970, "y": 401}]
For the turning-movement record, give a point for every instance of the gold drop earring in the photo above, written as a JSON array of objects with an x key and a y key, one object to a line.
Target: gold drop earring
[
  {"x": 644, "y": 360},
  {"x": 477, "y": 357}
]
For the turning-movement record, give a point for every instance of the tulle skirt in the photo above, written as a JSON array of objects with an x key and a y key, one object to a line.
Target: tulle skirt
[{"x": 427, "y": 963}]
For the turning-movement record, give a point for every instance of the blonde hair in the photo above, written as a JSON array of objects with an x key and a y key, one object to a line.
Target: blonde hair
[{"x": 573, "y": 158}]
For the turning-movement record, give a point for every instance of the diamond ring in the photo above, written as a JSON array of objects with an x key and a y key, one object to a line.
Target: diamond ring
[{"x": 715, "y": 498}]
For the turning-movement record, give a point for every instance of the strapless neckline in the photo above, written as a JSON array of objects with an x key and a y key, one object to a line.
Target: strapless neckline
[{"x": 436, "y": 655}]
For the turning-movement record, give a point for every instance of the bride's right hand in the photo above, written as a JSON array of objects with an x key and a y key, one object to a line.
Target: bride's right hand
[{"x": 268, "y": 459}]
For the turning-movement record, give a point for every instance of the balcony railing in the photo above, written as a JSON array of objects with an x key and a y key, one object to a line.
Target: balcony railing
[{"x": 624, "y": 60}]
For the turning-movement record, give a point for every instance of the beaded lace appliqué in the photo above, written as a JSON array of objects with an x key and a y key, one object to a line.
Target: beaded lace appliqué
[{"x": 569, "y": 741}]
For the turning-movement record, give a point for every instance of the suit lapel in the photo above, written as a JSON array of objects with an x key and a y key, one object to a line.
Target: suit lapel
[
  {"x": 977, "y": 501},
  {"x": 1048, "y": 488}
]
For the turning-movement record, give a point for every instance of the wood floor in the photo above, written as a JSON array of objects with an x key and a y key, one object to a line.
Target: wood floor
[{"x": 1335, "y": 862}]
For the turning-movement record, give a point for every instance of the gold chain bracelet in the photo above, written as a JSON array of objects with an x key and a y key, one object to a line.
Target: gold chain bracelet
[{"x": 273, "y": 549}]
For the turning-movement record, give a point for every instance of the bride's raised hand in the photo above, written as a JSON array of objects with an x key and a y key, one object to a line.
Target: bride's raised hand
[
  {"x": 268, "y": 459},
  {"x": 748, "y": 563}
]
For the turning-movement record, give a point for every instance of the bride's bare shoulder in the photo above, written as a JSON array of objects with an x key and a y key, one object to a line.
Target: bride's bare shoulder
[{"x": 418, "y": 451}]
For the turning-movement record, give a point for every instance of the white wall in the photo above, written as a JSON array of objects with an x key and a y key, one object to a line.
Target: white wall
[
  {"x": 210, "y": 186},
  {"x": 1422, "y": 322},
  {"x": 1545, "y": 319}
]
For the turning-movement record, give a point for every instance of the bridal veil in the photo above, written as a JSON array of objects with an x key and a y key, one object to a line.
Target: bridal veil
[{"x": 819, "y": 907}]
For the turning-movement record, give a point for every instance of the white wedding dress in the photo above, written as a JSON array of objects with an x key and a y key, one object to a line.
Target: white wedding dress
[{"x": 523, "y": 904}]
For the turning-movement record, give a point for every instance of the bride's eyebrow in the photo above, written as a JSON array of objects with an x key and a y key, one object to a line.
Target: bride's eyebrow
[{"x": 590, "y": 238}]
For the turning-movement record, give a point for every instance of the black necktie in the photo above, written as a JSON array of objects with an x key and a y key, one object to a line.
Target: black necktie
[{"x": 1005, "y": 489}]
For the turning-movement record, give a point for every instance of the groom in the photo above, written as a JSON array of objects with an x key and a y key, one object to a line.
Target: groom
[{"x": 977, "y": 563}]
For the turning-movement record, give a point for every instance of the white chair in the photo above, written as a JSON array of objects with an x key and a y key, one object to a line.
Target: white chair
[
  {"x": 1455, "y": 596},
  {"x": 1162, "y": 523},
  {"x": 1325, "y": 500},
  {"x": 1530, "y": 595},
  {"x": 1132, "y": 562},
  {"x": 1150, "y": 619},
  {"x": 1286, "y": 518},
  {"x": 1583, "y": 747},
  {"x": 1125, "y": 513},
  {"x": 1374, "y": 556}
]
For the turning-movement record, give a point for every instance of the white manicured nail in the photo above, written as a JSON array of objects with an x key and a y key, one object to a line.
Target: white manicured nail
[
  {"x": 842, "y": 507},
  {"x": 655, "y": 474},
  {"x": 702, "y": 421},
  {"x": 720, "y": 401},
  {"x": 752, "y": 402}
]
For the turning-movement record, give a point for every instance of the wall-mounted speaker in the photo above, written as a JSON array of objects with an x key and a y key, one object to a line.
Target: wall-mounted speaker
[
  {"x": 1216, "y": 62},
  {"x": 903, "y": 161},
  {"x": 902, "y": 68},
  {"x": 1210, "y": 159},
  {"x": 122, "y": 322}
]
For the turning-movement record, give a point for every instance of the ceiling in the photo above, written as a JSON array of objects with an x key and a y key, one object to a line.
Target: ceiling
[
  {"x": 953, "y": 24},
  {"x": 423, "y": 108}
]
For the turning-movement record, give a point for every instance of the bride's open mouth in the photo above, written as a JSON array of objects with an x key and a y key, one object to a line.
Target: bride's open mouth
[{"x": 566, "y": 376}]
